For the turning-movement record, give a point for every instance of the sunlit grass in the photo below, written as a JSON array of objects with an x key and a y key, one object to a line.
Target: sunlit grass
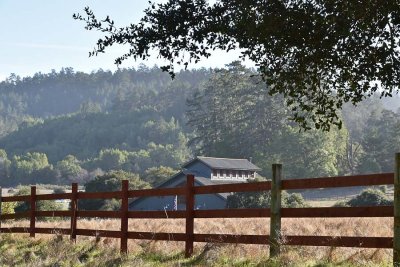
[{"x": 44, "y": 250}]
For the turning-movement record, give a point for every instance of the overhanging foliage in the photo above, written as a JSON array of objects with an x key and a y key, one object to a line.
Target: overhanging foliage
[{"x": 318, "y": 54}]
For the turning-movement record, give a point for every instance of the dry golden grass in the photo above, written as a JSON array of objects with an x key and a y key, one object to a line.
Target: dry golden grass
[{"x": 382, "y": 227}]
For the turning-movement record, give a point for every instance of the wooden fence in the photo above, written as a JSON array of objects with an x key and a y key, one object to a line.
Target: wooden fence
[{"x": 275, "y": 212}]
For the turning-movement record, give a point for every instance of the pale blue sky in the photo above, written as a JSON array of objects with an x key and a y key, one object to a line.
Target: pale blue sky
[{"x": 41, "y": 35}]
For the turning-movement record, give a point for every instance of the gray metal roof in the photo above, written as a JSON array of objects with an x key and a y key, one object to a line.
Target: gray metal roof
[
  {"x": 208, "y": 181},
  {"x": 200, "y": 180},
  {"x": 226, "y": 163}
]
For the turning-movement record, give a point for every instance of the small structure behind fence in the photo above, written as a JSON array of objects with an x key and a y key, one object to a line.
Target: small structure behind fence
[{"x": 275, "y": 212}]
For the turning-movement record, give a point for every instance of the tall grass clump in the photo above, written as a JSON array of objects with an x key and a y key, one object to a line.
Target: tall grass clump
[{"x": 49, "y": 250}]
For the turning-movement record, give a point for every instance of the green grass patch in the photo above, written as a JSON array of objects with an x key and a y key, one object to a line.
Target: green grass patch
[{"x": 20, "y": 250}]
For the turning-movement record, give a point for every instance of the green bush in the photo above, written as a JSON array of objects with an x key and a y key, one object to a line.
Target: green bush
[
  {"x": 341, "y": 203},
  {"x": 248, "y": 200},
  {"x": 111, "y": 204},
  {"x": 368, "y": 197},
  {"x": 110, "y": 181},
  {"x": 383, "y": 188},
  {"x": 294, "y": 200},
  {"x": 41, "y": 205},
  {"x": 263, "y": 199},
  {"x": 59, "y": 190},
  {"x": 7, "y": 207},
  {"x": 158, "y": 175},
  {"x": 11, "y": 191}
]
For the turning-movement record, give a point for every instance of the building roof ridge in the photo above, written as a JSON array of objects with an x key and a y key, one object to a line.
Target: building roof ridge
[
  {"x": 221, "y": 158},
  {"x": 224, "y": 163}
]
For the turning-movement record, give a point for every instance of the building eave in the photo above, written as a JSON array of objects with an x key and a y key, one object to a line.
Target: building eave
[{"x": 200, "y": 158}]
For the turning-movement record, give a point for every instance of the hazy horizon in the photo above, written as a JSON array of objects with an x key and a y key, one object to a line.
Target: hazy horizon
[{"x": 43, "y": 36}]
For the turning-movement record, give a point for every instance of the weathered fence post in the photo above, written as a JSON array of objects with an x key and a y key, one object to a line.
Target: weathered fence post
[
  {"x": 275, "y": 222},
  {"x": 124, "y": 216},
  {"x": 1, "y": 211},
  {"x": 74, "y": 208},
  {"x": 396, "y": 230},
  {"x": 189, "y": 215},
  {"x": 33, "y": 211}
]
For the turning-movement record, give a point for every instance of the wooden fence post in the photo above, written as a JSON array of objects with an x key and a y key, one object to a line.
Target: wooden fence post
[
  {"x": 189, "y": 215},
  {"x": 74, "y": 208},
  {"x": 396, "y": 204},
  {"x": 1, "y": 211},
  {"x": 275, "y": 222},
  {"x": 33, "y": 211},
  {"x": 124, "y": 216}
]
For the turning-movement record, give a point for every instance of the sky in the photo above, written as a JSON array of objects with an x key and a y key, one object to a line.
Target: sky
[{"x": 38, "y": 36}]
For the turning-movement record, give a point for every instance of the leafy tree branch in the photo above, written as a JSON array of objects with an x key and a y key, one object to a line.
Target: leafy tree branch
[{"x": 318, "y": 54}]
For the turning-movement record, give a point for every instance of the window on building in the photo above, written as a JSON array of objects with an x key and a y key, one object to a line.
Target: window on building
[
  {"x": 215, "y": 173},
  {"x": 240, "y": 174}
]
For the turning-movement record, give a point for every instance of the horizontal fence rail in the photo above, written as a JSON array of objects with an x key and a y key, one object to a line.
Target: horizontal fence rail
[
  {"x": 325, "y": 212},
  {"x": 189, "y": 214},
  {"x": 339, "y": 181},
  {"x": 228, "y": 188}
]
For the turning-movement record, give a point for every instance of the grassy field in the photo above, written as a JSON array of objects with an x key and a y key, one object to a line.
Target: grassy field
[{"x": 54, "y": 250}]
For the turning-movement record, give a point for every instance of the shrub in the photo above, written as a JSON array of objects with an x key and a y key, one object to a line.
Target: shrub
[
  {"x": 341, "y": 203},
  {"x": 263, "y": 199},
  {"x": 383, "y": 188},
  {"x": 59, "y": 190},
  {"x": 7, "y": 207},
  {"x": 248, "y": 200},
  {"x": 111, "y": 204},
  {"x": 110, "y": 181},
  {"x": 368, "y": 197},
  {"x": 11, "y": 191},
  {"x": 41, "y": 205},
  {"x": 294, "y": 200}
]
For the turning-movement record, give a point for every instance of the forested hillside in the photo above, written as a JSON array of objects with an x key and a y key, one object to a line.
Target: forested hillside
[
  {"x": 72, "y": 126},
  {"x": 24, "y": 101}
]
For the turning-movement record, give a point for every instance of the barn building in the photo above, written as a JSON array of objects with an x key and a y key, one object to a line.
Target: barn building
[{"x": 207, "y": 171}]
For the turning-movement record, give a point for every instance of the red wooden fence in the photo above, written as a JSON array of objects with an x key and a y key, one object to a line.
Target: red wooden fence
[{"x": 189, "y": 190}]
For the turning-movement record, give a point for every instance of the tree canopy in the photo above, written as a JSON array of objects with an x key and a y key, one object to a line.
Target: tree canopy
[
  {"x": 318, "y": 54},
  {"x": 142, "y": 127},
  {"x": 110, "y": 181},
  {"x": 262, "y": 199},
  {"x": 233, "y": 116}
]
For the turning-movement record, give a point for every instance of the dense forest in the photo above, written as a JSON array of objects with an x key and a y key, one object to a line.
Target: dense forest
[{"x": 69, "y": 126}]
